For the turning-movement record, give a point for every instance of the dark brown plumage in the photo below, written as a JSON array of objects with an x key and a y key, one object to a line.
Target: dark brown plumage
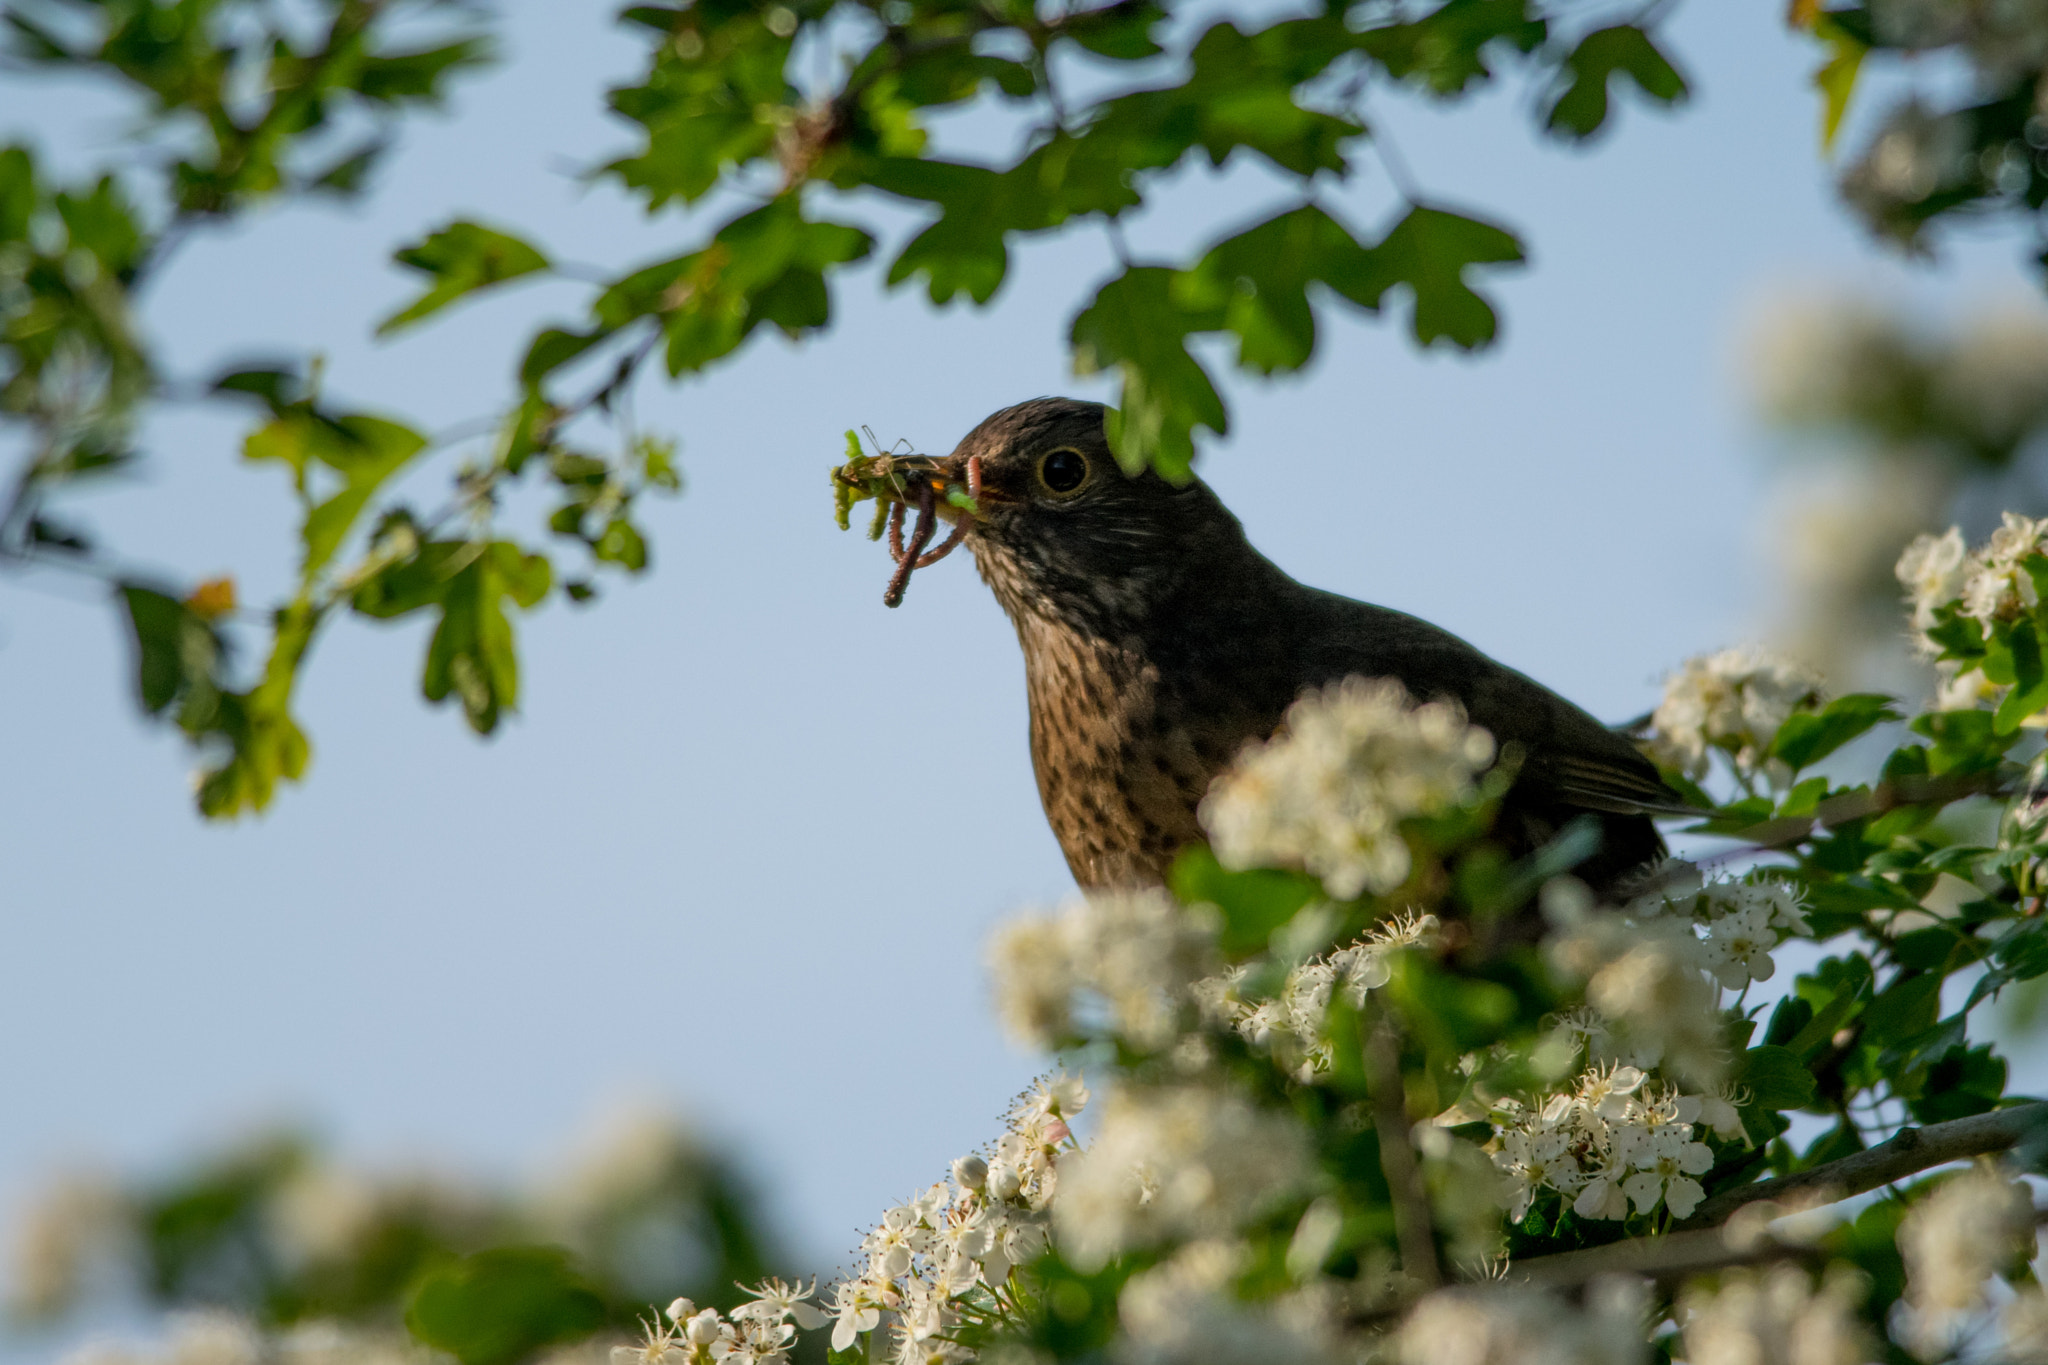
[{"x": 1157, "y": 641}]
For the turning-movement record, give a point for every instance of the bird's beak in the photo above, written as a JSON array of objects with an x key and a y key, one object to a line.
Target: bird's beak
[{"x": 943, "y": 474}]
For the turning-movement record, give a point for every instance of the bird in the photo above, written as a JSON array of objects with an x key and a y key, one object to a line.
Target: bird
[{"x": 1158, "y": 643}]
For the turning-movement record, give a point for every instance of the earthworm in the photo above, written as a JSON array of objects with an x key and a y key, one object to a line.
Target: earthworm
[{"x": 914, "y": 556}]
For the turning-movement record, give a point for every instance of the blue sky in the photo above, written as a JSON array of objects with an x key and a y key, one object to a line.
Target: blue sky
[{"x": 741, "y": 848}]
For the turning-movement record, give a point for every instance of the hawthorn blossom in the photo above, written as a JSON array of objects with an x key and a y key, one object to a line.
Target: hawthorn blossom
[
  {"x": 1182, "y": 1312},
  {"x": 1329, "y": 792},
  {"x": 1293, "y": 1021},
  {"x": 1774, "y": 1317},
  {"x": 940, "y": 1256},
  {"x": 1472, "y": 1325},
  {"x": 1954, "y": 1241},
  {"x": 1930, "y": 569},
  {"x": 1179, "y": 1161},
  {"x": 1614, "y": 1138},
  {"x": 1733, "y": 703},
  {"x": 1136, "y": 952}
]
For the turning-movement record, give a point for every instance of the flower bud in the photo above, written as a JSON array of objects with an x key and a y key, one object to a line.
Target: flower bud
[
  {"x": 703, "y": 1329},
  {"x": 682, "y": 1310},
  {"x": 1004, "y": 1182},
  {"x": 971, "y": 1171}
]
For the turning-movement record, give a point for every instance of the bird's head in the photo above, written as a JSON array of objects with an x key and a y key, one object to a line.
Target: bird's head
[{"x": 1062, "y": 532}]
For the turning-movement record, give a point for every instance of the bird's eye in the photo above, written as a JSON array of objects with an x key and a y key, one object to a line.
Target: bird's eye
[{"x": 1063, "y": 472}]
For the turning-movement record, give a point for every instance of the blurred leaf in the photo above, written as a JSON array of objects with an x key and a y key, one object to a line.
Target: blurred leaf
[
  {"x": 1134, "y": 326},
  {"x": 1254, "y": 903},
  {"x": 1429, "y": 250},
  {"x": 1445, "y": 51},
  {"x": 1624, "y": 49},
  {"x": 461, "y": 259},
  {"x": 1836, "y": 79},
  {"x": 1259, "y": 281},
  {"x": 472, "y": 654},
  {"x": 1807, "y": 737},
  {"x": 503, "y": 1305},
  {"x": 175, "y": 650}
]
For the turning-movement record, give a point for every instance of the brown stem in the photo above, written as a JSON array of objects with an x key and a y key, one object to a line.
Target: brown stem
[
  {"x": 1412, "y": 1221},
  {"x": 1910, "y": 1150}
]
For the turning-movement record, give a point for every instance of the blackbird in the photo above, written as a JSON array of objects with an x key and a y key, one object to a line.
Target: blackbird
[{"x": 1157, "y": 642}]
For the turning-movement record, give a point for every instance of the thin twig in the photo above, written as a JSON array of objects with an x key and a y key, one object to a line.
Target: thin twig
[{"x": 1412, "y": 1222}]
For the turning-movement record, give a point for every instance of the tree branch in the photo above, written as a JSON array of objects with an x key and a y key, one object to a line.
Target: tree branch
[
  {"x": 1703, "y": 1244},
  {"x": 1908, "y": 1151}
]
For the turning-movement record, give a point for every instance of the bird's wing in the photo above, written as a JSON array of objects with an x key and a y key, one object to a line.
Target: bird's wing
[{"x": 1603, "y": 784}]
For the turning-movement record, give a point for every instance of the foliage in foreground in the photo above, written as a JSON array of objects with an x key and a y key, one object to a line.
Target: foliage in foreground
[
  {"x": 279, "y": 1249},
  {"x": 1363, "y": 1089}
]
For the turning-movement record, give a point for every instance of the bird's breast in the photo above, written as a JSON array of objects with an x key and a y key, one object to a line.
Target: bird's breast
[{"x": 1122, "y": 759}]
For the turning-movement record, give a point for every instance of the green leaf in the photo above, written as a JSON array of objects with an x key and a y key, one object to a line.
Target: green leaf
[
  {"x": 503, "y": 1305},
  {"x": 1775, "y": 1078},
  {"x": 1836, "y": 79},
  {"x": 1259, "y": 281},
  {"x": 1624, "y": 49},
  {"x": 1239, "y": 93},
  {"x": 764, "y": 266},
  {"x": 373, "y": 451},
  {"x": 553, "y": 348},
  {"x": 472, "y": 653},
  {"x": 1445, "y": 52},
  {"x": 1962, "y": 1082},
  {"x": 175, "y": 650},
  {"x": 1806, "y": 737},
  {"x": 1429, "y": 250},
  {"x": 1902, "y": 1010},
  {"x": 1253, "y": 903},
  {"x": 461, "y": 258},
  {"x": 1134, "y": 327},
  {"x": 2029, "y": 693},
  {"x": 1121, "y": 32}
]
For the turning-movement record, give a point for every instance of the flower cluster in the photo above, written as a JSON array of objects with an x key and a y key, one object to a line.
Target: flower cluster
[
  {"x": 1731, "y": 703},
  {"x": 1654, "y": 970},
  {"x": 1133, "y": 953},
  {"x": 1614, "y": 1139},
  {"x": 1329, "y": 792},
  {"x": 1775, "y": 1317},
  {"x": 1975, "y": 1226},
  {"x": 1183, "y": 1312},
  {"x": 1987, "y": 586},
  {"x": 213, "y": 1337},
  {"x": 1185, "y": 1161},
  {"x": 945, "y": 1257},
  {"x": 1740, "y": 921},
  {"x": 1519, "y": 1326},
  {"x": 1291, "y": 1022},
  {"x": 758, "y": 1332}
]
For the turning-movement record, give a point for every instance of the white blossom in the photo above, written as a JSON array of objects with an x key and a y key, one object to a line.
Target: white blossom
[
  {"x": 1733, "y": 703},
  {"x": 1774, "y": 1317},
  {"x": 1178, "y": 1161},
  {"x": 1329, "y": 792},
  {"x": 1292, "y": 1022},
  {"x": 1183, "y": 1312},
  {"x": 1931, "y": 571},
  {"x": 2023, "y": 1326},
  {"x": 1136, "y": 952},
  {"x": 1517, "y": 1326},
  {"x": 1953, "y": 1241}
]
